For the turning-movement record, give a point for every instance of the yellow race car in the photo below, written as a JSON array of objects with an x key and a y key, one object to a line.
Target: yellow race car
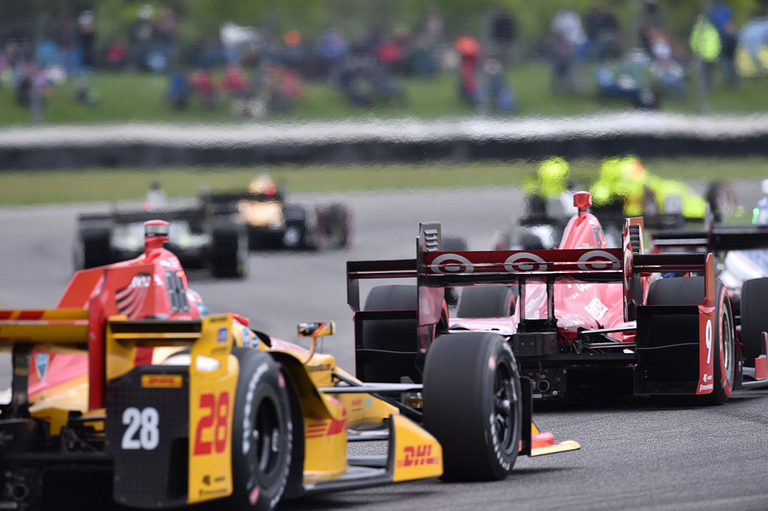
[{"x": 128, "y": 381}]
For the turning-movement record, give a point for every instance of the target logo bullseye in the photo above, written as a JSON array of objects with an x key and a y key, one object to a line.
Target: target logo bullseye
[
  {"x": 598, "y": 260},
  {"x": 524, "y": 261},
  {"x": 452, "y": 263}
]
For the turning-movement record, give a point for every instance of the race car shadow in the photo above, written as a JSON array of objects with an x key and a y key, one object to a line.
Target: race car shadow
[{"x": 356, "y": 498}]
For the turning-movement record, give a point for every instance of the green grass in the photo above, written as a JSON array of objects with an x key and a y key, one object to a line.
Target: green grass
[
  {"x": 37, "y": 187},
  {"x": 140, "y": 97}
]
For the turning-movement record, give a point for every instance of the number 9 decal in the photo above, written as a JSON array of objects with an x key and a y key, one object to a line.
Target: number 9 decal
[{"x": 708, "y": 340}]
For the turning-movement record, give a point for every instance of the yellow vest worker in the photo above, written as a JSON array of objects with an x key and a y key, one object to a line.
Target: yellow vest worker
[
  {"x": 705, "y": 41},
  {"x": 551, "y": 179}
]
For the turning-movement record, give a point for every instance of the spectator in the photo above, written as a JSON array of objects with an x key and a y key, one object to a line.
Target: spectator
[
  {"x": 500, "y": 95},
  {"x": 705, "y": 44},
  {"x": 66, "y": 37},
  {"x": 332, "y": 49},
  {"x": 178, "y": 91},
  {"x": 234, "y": 81},
  {"x": 651, "y": 17},
  {"x": 140, "y": 36},
  {"x": 720, "y": 16},
  {"x": 570, "y": 49},
  {"x": 116, "y": 55},
  {"x": 602, "y": 30},
  {"x": 729, "y": 44},
  {"x": 166, "y": 32},
  {"x": 204, "y": 88},
  {"x": 504, "y": 34},
  {"x": 87, "y": 31},
  {"x": 469, "y": 51}
]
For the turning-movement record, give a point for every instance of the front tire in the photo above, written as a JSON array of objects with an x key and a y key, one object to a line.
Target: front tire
[
  {"x": 473, "y": 405},
  {"x": 754, "y": 320},
  {"x": 262, "y": 434}
]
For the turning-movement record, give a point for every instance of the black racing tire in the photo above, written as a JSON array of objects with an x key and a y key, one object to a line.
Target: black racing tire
[
  {"x": 473, "y": 405},
  {"x": 722, "y": 200},
  {"x": 754, "y": 320},
  {"x": 486, "y": 302},
  {"x": 300, "y": 228},
  {"x": 92, "y": 247},
  {"x": 391, "y": 334},
  {"x": 228, "y": 252},
  {"x": 338, "y": 225},
  {"x": 691, "y": 291},
  {"x": 262, "y": 434}
]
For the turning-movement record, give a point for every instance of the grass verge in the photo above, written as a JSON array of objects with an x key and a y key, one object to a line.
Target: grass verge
[{"x": 40, "y": 187}]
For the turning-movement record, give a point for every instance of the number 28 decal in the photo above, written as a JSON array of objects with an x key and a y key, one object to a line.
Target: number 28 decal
[
  {"x": 217, "y": 418},
  {"x": 146, "y": 422}
]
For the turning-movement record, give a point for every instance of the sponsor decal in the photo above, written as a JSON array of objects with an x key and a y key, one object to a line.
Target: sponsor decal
[
  {"x": 165, "y": 263},
  {"x": 140, "y": 280},
  {"x": 453, "y": 263},
  {"x": 596, "y": 309},
  {"x": 524, "y": 261},
  {"x": 253, "y": 498},
  {"x": 162, "y": 381},
  {"x": 318, "y": 368},
  {"x": 356, "y": 403},
  {"x": 219, "y": 491},
  {"x": 416, "y": 455},
  {"x": 367, "y": 402},
  {"x": 245, "y": 336},
  {"x": 207, "y": 480},
  {"x": 598, "y": 260},
  {"x": 158, "y": 280},
  {"x": 41, "y": 365},
  {"x": 707, "y": 377},
  {"x": 702, "y": 387},
  {"x": 6, "y": 438},
  {"x": 130, "y": 299},
  {"x": 222, "y": 336},
  {"x": 247, "y": 426}
]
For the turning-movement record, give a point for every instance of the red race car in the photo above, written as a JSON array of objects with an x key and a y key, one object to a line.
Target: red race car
[{"x": 581, "y": 319}]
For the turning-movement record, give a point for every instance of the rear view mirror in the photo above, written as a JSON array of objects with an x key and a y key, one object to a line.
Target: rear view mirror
[{"x": 317, "y": 329}]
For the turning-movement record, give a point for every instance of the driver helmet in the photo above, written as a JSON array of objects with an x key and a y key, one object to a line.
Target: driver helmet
[
  {"x": 195, "y": 298},
  {"x": 263, "y": 183},
  {"x": 760, "y": 213}
]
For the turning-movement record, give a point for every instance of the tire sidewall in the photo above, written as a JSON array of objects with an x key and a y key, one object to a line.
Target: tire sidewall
[
  {"x": 259, "y": 381},
  {"x": 501, "y": 461},
  {"x": 723, "y": 387}
]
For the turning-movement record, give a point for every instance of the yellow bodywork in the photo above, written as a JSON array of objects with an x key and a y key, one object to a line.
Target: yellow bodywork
[{"x": 261, "y": 214}]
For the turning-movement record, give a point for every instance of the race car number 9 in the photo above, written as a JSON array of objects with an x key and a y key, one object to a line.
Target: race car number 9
[
  {"x": 219, "y": 413},
  {"x": 146, "y": 422}
]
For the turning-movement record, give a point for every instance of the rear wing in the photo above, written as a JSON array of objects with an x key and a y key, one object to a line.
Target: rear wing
[
  {"x": 435, "y": 270},
  {"x": 720, "y": 238},
  {"x": 191, "y": 214}
]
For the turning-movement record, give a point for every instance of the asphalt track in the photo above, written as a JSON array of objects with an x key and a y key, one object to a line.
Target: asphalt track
[{"x": 634, "y": 455}]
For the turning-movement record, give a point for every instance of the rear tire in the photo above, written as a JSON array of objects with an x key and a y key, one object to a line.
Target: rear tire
[
  {"x": 754, "y": 320},
  {"x": 92, "y": 247},
  {"x": 691, "y": 291},
  {"x": 486, "y": 302},
  {"x": 391, "y": 335},
  {"x": 262, "y": 434},
  {"x": 338, "y": 224},
  {"x": 229, "y": 250},
  {"x": 473, "y": 405}
]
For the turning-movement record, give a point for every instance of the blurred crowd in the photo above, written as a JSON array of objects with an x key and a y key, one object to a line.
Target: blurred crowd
[{"x": 255, "y": 72}]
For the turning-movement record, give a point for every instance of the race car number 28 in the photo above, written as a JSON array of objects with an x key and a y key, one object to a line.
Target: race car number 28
[
  {"x": 216, "y": 419},
  {"x": 146, "y": 423}
]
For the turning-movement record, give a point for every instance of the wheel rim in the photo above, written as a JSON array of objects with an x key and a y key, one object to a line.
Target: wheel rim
[
  {"x": 266, "y": 438},
  {"x": 504, "y": 406},
  {"x": 726, "y": 345}
]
